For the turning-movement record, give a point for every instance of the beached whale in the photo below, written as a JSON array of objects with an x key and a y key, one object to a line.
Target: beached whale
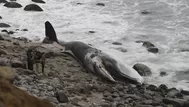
[{"x": 94, "y": 60}]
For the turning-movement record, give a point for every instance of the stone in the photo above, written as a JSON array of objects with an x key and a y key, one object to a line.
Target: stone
[
  {"x": 145, "y": 12},
  {"x": 61, "y": 97},
  {"x": 4, "y": 25},
  {"x": 148, "y": 44},
  {"x": 33, "y": 7},
  {"x": 7, "y": 73},
  {"x": 16, "y": 43},
  {"x": 121, "y": 49},
  {"x": 184, "y": 92},
  {"x": 0, "y": 17},
  {"x": 12, "y": 5},
  {"x": 4, "y": 31},
  {"x": 174, "y": 93},
  {"x": 11, "y": 32},
  {"x": 153, "y": 50},
  {"x": 152, "y": 88},
  {"x": 3, "y": 1},
  {"x": 3, "y": 52},
  {"x": 100, "y": 4},
  {"x": 142, "y": 69},
  {"x": 91, "y": 31},
  {"x": 4, "y": 61},
  {"x": 174, "y": 102},
  {"x": 38, "y": 1},
  {"x": 15, "y": 63},
  {"x": 163, "y": 73},
  {"x": 117, "y": 43}
]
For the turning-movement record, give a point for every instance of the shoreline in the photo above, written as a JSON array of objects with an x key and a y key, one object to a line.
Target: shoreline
[{"x": 66, "y": 77}]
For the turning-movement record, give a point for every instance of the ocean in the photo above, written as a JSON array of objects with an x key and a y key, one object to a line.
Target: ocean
[{"x": 164, "y": 23}]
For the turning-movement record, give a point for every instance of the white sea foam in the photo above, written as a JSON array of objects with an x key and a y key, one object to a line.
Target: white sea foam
[{"x": 120, "y": 20}]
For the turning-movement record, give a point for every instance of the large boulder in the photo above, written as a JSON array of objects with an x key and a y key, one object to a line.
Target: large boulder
[
  {"x": 38, "y": 1},
  {"x": 142, "y": 69},
  {"x": 12, "y": 5},
  {"x": 33, "y": 7},
  {"x": 4, "y": 25}
]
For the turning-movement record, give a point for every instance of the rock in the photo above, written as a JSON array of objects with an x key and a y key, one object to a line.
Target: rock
[
  {"x": 61, "y": 97},
  {"x": 153, "y": 50},
  {"x": 100, "y": 4},
  {"x": 121, "y": 49},
  {"x": 105, "y": 105},
  {"x": 15, "y": 63},
  {"x": 4, "y": 25},
  {"x": 7, "y": 73},
  {"x": 142, "y": 69},
  {"x": 163, "y": 73},
  {"x": 33, "y": 7},
  {"x": 16, "y": 43},
  {"x": 184, "y": 92},
  {"x": 38, "y": 1},
  {"x": 18, "y": 97},
  {"x": 152, "y": 88},
  {"x": 148, "y": 44},
  {"x": 117, "y": 43},
  {"x": 174, "y": 93},
  {"x": 24, "y": 30},
  {"x": 0, "y": 17},
  {"x": 4, "y": 61},
  {"x": 3, "y": 52},
  {"x": 12, "y": 5},
  {"x": 91, "y": 31},
  {"x": 3, "y": 1},
  {"x": 174, "y": 102},
  {"x": 11, "y": 32},
  {"x": 145, "y": 12},
  {"x": 4, "y": 31}
]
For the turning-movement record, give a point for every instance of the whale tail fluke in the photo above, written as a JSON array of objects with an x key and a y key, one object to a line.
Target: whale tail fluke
[{"x": 49, "y": 33}]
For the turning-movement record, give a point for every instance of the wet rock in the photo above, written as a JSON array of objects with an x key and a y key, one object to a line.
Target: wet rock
[
  {"x": 79, "y": 3},
  {"x": 38, "y": 1},
  {"x": 12, "y": 5},
  {"x": 184, "y": 92},
  {"x": 61, "y": 97},
  {"x": 4, "y": 31},
  {"x": 148, "y": 44},
  {"x": 153, "y": 50},
  {"x": 15, "y": 63},
  {"x": 0, "y": 17},
  {"x": 174, "y": 102},
  {"x": 24, "y": 30},
  {"x": 163, "y": 89},
  {"x": 142, "y": 69},
  {"x": 7, "y": 73},
  {"x": 145, "y": 12},
  {"x": 163, "y": 73},
  {"x": 117, "y": 43},
  {"x": 3, "y": 1},
  {"x": 100, "y": 4},
  {"x": 174, "y": 93},
  {"x": 33, "y": 7},
  {"x": 121, "y": 49},
  {"x": 4, "y": 25},
  {"x": 152, "y": 88},
  {"x": 11, "y": 32},
  {"x": 91, "y": 31},
  {"x": 16, "y": 43}
]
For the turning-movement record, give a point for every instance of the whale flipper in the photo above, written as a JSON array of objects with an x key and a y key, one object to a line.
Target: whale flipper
[{"x": 50, "y": 32}]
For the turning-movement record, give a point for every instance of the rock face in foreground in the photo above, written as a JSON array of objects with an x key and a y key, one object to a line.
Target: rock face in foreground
[
  {"x": 12, "y": 5},
  {"x": 33, "y": 7},
  {"x": 12, "y": 96}
]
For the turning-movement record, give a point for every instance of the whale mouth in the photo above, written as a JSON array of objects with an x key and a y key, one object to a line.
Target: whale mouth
[{"x": 99, "y": 68}]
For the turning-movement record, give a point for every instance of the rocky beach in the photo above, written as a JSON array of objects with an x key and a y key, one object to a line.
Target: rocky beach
[{"x": 65, "y": 82}]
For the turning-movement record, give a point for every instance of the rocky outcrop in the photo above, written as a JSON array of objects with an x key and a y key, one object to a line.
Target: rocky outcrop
[
  {"x": 12, "y": 5},
  {"x": 33, "y": 7},
  {"x": 142, "y": 69}
]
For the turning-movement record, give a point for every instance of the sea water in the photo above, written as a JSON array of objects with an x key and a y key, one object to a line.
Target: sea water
[{"x": 165, "y": 24}]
